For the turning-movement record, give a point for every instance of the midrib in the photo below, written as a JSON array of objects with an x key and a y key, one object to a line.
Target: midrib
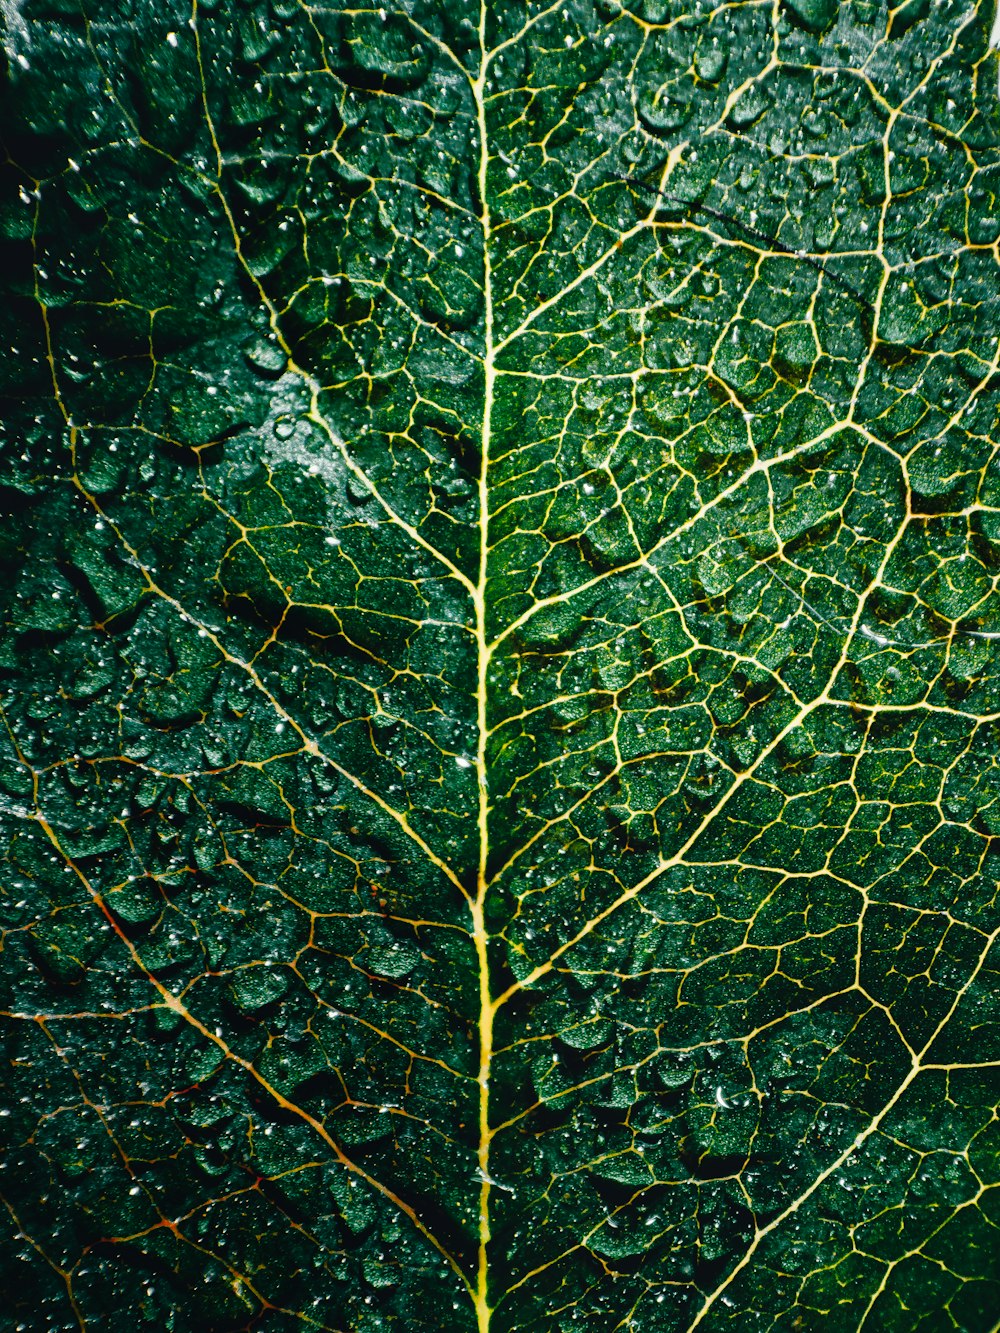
[{"x": 482, "y": 659}]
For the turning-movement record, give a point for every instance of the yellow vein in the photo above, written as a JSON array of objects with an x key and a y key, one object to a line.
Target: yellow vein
[{"x": 486, "y": 1008}]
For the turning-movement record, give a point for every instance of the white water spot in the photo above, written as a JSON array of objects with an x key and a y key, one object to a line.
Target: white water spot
[
  {"x": 488, "y": 1180},
  {"x": 15, "y": 30}
]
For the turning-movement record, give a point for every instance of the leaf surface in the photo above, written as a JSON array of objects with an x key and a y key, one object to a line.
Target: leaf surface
[{"x": 498, "y": 776}]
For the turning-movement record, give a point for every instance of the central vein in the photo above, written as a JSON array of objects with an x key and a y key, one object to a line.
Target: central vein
[{"x": 482, "y": 660}]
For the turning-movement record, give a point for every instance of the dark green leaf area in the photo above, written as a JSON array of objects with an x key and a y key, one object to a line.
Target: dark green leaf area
[{"x": 499, "y": 799}]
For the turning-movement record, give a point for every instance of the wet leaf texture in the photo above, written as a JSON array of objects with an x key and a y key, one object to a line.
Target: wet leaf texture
[{"x": 501, "y": 696}]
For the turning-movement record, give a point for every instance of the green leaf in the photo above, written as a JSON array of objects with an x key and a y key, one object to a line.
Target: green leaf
[{"x": 499, "y": 674}]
